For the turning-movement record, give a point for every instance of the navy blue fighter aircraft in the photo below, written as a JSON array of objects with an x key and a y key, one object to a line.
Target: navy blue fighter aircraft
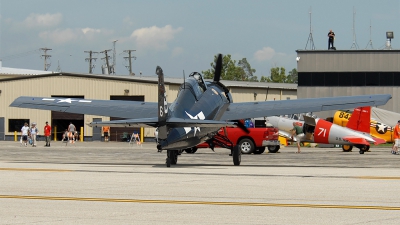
[{"x": 199, "y": 111}]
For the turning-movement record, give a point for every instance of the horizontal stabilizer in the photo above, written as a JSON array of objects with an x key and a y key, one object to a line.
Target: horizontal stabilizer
[
  {"x": 378, "y": 140},
  {"x": 356, "y": 140}
]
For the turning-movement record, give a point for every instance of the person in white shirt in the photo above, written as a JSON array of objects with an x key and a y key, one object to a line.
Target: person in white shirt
[
  {"x": 25, "y": 133},
  {"x": 34, "y": 132}
]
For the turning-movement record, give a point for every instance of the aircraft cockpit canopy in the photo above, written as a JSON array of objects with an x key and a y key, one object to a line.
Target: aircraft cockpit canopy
[{"x": 196, "y": 84}]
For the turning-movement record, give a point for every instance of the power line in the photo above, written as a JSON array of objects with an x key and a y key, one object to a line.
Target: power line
[{"x": 19, "y": 55}]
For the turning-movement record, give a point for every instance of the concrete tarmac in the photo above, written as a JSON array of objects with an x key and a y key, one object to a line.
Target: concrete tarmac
[{"x": 118, "y": 183}]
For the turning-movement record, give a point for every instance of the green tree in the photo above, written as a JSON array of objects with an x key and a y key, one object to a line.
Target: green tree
[
  {"x": 278, "y": 75},
  {"x": 292, "y": 77},
  {"x": 241, "y": 71}
]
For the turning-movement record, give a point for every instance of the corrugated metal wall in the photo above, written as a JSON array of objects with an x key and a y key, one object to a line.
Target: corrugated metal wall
[{"x": 349, "y": 61}]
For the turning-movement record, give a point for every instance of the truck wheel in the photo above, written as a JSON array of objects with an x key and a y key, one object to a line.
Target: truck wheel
[
  {"x": 274, "y": 148},
  {"x": 191, "y": 150},
  {"x": 246, "y": 146},
  {"x": 260, "y": 150}
]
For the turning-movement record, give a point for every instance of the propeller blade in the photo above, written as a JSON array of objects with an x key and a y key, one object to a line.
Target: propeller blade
[{"x": 218, "y": 69}]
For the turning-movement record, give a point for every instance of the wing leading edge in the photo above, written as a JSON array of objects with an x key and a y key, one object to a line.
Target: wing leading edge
[
  {"x": 271, "y": 108},
  {"x": 153, "y": 122}
]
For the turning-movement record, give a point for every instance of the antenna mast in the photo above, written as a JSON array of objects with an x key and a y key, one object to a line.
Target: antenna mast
[
  {"x": 310, "y": 38},
  {"x": 370, "y": 40},
  {"x": 354, "y": 45}
]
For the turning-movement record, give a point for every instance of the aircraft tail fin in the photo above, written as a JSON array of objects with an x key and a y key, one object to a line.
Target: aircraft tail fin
[
  {"x": 162, "y": 105},
  {"x": 360, "y": 119}
]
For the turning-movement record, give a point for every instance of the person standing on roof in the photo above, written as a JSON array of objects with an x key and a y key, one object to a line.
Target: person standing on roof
[{"x": 331, "y": 39}]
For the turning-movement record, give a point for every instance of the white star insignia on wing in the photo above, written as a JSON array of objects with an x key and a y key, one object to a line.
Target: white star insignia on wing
[{"x": 66, "y": 100}]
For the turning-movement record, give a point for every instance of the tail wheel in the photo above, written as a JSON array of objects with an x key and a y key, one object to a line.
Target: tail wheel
[
  {"x": 236, "y": 155},
  {"x": 246, "y": 146},
  {"x": 191, "y": 150},
  {"x": 347, "y": 148},
  {"x": 363, "y": 149}
]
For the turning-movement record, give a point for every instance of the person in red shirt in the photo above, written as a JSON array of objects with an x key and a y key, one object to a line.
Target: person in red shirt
[
  {"x": 47, "y": 134},
  {"x": 396, "y": 137}
]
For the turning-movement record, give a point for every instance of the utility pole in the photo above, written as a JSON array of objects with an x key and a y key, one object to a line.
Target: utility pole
[
  {"x": 114, "y": 57},
  {"x": 90, "y": 59},
  {"x": 130, "y": 60},
  {"x": 106, "y": 58},
  {"x": 45, "y": 56}
]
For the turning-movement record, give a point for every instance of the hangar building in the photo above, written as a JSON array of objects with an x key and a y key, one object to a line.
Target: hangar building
[
  {"x": 329, "y": 73},
  {"x": 107, "y": 87}
]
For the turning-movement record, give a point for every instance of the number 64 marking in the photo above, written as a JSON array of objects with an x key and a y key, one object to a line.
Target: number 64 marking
[{"x": 322, "y": 131}]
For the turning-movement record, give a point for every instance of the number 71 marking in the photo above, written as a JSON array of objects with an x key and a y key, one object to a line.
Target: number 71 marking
[{"x": 322, "y": 131}]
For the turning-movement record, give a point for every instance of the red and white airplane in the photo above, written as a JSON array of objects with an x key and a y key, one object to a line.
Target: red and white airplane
[{"x": 316, "y": 130}]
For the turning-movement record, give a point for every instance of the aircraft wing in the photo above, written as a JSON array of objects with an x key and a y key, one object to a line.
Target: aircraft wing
[
  {"x": 112, "y": 108},
  {"x": 243, "y": 110},
  {"x": 144, "y": 122},
  {"x": 153, "y": 122}
]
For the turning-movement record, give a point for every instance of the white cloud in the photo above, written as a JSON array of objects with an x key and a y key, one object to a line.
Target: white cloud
[
  {"x": 177, "y": 51},
  {"x": 42, "y": 20},
  {"x": 264, "y": 54},
  {"x": 60, "y": 36},
  {"x": 155, "y": 37},
  {"x": 128, "y": 21}
]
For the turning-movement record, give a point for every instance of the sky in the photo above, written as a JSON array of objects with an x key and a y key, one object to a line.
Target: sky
[{"x": 182, "y": 36}]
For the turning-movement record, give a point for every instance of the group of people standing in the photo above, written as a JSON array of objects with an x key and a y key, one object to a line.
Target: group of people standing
[{"x": 32, "y": 133}]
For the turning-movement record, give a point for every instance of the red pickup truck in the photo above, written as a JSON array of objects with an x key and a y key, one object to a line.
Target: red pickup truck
[{"x": 255, "y": 141}]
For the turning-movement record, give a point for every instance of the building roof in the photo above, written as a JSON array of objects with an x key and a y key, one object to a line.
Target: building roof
[
  {"x": 154, "y": 79},
  {"x": 19, "y": 72}
]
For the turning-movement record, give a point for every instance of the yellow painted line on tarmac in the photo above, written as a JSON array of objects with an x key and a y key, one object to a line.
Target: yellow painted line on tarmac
[
  {"x": 378, "y": 178},
  {"x": 55, "y": 198},
  {"x": 34, "y": 170}
]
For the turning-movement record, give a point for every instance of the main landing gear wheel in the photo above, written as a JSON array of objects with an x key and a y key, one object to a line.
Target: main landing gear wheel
[
  {"x": 172, "y": 157},
  {"x": 236, "y": 155},
  {"x": 347, "y": 148}
]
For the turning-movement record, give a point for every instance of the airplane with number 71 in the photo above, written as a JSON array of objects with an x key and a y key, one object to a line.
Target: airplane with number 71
[
  {"x": 199, "y": 111},
  {"x": 316, "y": 130}
]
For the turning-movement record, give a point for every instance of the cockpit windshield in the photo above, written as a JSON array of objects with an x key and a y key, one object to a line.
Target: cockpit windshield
[{"x": 197, "y": 76}]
